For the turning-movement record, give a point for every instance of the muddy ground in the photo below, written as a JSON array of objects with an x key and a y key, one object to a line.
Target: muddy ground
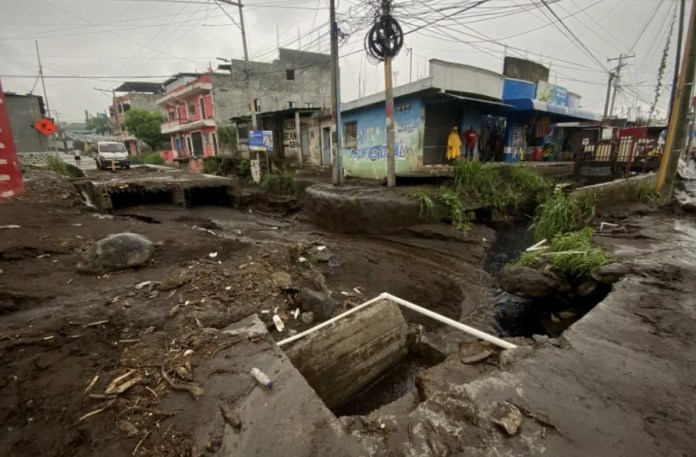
[
  {"x": 61, "y": 330},
  {"x": 65, "y": 336}
]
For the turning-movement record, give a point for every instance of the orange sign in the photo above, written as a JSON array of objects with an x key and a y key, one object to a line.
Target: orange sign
[{"x": 46, "y": 126}]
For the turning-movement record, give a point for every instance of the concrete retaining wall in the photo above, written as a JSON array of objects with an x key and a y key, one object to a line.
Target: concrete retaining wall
[
  {"x": 619, "y": 191},
  {"x": 340, "y": 360}
]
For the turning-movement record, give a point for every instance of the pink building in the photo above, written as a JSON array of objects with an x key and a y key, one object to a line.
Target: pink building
[{"x": 190, "y": 125}]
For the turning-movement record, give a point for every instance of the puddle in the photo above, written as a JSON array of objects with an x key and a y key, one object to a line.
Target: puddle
[{"x": 393, "y": 384}]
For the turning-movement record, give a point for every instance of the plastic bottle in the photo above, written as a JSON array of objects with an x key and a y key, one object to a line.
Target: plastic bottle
[
  {"x": 278, "y": 323},
  {"x": 261, "y": 377}
]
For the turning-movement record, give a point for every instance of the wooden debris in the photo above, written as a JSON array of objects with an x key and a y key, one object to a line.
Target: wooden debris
[
  {"x": 95, "y": 324},
  {"x": 141, "y": 441},
  {"x": 193, "y": 389},
  {"x": 91, "y": 384},
  {"x": 119, "y": 385}
]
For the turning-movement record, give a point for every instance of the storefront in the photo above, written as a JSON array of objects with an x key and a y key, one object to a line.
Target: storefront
[{"x": 535, "y": 110}]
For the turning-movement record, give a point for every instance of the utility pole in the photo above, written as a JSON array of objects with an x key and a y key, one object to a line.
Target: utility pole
[
  {"x": 410, "y": 67},
  {"x": 677, "y": 61},
  {"x": 335, "y": 175},
  {"x": 389, "y": 107},
  {"x": 43, "y": 83},
  {"x": 676, "y": 135},
  {"x": 614, "y": 77}
]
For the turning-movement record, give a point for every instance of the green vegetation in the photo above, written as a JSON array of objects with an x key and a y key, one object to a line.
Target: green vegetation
[
  {"x": 501, "y": 189},
  {"x": 151, "y": 158},
  {"x": 427, "y": 205},
  {"x": 458, "y": 216},
  {"x": 145, "y": 125},
  {"x": 99, "y": 124},
  {"x": 58, "y": 166},
  {"x": 280, "y": 184},
  {"x": 227, "y": 136},
  {"x": 644, "y": 192},
  {"x": 571, "y": 255},
  {"x": 561, "y": 214},
  {"x": 211, "y": 166}
]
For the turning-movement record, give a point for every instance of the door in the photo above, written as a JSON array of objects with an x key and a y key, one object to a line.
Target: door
[
  {"x": 213, "y": 138},
  {"x": 189, "y": 147},
  {"x": 177, "y": 146},
  {"x": 197, "y": 144},
  {"x": 326, "y": 146},
  {"x": 304, "y": 141}
]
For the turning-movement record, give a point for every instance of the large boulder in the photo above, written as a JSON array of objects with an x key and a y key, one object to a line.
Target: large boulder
[
  {"x": 116, "y": 252},
  {"x": 322, "y": 305},
  {"x": 529, "y": 283},
  {"x": 609, "y": 274}
]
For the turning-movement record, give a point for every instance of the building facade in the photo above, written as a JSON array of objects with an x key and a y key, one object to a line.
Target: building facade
[
  {"x": 285, "y": 93},
  {"x": 127, "y": 96},
  {"x": 24, "y": 111}
]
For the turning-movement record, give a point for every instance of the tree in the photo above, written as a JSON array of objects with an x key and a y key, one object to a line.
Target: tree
[
  {"x": 145, "y": 126},
  {"x": 99, "y": 124}
]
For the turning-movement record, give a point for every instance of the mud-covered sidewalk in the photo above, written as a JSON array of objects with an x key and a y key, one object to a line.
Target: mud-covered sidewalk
[{"x": 619, "y": 382}]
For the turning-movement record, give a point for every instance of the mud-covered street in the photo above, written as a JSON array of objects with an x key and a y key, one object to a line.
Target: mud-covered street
[{"x": 136, "y": 362}]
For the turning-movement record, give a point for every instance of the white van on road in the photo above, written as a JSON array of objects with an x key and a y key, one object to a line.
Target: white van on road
[{"x": 109, "y": 152}]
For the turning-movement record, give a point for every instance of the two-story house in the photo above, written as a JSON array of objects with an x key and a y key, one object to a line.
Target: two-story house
[
  {"x": 127, "y": 96},
  {"x": 197, "y": 105}
]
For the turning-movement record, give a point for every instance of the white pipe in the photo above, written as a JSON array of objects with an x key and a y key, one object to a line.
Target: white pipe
[
  {"x": 426, "y": 312},
  {"x": 452, "y": 323},
  {"x": 330, "y": 321}
]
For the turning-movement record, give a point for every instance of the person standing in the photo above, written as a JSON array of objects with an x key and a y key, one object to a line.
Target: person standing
[
  {"x": 470, "y": 138},
  {"x": 454, "y": 145},
  {"x": 78, "y": 157}
]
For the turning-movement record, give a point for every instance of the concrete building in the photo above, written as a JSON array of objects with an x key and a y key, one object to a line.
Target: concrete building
[
  {"x": 508, "y": 121},
  {"x": 24, "y": 112},
  {"x": 285, "y": 94},
  {"x": 132, "y": 95}
]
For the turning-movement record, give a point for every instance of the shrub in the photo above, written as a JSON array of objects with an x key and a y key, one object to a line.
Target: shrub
[
  {"x": 528, "y": 185},
  {"x": 281, "y": 184},
  {"x": 58, "y": 166},
  {"x": 644, "y": 192},
  {"x": 561, "y": 214},
  {"x": 211, "y": 166},
  {"x": 452, "y": 201},
  {"x": 427, "y": 206},
  {"x": 152, "y": 158}
]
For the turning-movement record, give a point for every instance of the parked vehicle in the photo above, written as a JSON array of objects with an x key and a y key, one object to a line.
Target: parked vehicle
[{"x": 111, "y": 152}]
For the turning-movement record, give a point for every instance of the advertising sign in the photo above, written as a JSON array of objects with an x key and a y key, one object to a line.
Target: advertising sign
[
  {"x": 11, "y": 181},
  {"x": 551, "y": 94},
  {"x": 261, "y": 140}
]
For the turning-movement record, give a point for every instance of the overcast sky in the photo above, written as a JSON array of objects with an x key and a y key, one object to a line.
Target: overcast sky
[{"x": 130, "y": 39}]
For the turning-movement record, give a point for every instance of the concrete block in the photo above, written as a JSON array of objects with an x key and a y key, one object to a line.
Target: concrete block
[{"x": 342, "y": 359}]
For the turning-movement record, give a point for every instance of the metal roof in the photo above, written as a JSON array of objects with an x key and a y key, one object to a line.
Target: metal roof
[{"x": 139, "y": 86}]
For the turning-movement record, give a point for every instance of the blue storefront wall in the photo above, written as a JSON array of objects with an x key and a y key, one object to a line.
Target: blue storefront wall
[{"x": 369, "y": 158}]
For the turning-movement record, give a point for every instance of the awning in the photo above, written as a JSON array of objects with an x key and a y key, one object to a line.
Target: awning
[
  {"x": 563, "y": 113},
  {"x": 480, "y": 100}
]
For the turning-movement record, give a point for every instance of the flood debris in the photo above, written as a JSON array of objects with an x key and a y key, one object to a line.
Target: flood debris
[{"x": 508, "y": 417}]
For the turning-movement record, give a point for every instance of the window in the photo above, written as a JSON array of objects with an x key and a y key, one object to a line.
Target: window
[
  {"x": 201, "y": 105},
  {"x": 126, "y": 107},
  {"x": 192, "y": 109},
  {"x": 172, "y": 115},
  {"x": 178, "y": 112},
  {"x": 291, "y": 104},
  {"x": 290, "y": 74},
  {"x": 350, "y": 134},
  {"x": 309, "y": 105},
  {"x": 120, "y": 108},
  {"x": 257, "y": 105}
]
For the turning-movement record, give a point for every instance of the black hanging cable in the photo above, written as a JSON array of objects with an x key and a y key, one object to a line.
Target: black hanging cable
[{"x": 385, "y": 38}]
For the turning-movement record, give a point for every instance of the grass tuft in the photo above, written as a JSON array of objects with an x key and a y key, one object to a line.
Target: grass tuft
[
  {"x": 58, "y": 166},
  {"x": 561, "y": 214},
  {"x": 280, "y": 184},
  {"x": 427, "y": 205}
]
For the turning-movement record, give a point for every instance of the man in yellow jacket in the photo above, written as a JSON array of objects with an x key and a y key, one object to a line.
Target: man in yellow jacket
[{"x": 454, "y": 145}]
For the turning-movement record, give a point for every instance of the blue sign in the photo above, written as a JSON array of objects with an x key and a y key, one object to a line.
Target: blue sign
[{"x": 261, "y": 140}]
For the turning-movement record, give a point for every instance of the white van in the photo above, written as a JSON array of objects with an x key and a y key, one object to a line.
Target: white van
[{"x": 109, "y": 152}]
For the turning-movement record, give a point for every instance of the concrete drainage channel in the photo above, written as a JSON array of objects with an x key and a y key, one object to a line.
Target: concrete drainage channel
[{"x": 350, "y": 359}]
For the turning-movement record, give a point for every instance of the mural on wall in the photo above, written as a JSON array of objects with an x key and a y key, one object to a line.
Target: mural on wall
[{"x": 366, "y": 152}]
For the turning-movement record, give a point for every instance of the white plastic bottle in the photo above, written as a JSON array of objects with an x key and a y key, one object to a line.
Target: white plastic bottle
[
  {"x": 280, "y": 326},
  {"x": 261, "y": 377}
]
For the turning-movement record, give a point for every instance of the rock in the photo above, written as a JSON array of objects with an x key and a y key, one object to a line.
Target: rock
[
  {"x": 282, "y": 279},
  {"x": 588, "y": 288},
  {"x": 320, "y": 254},
  {"x": 176, "y": 278},
  {"x": 609, "y": 274},
  {"x": 319, "y": 303},
  {"x": 116, "y": 252},
  {"x": 127, "y": 428},
  {"x": 307, "y": 318},
  {"x": 508, "y": 417},
  {"x": 567, "y": 315},
  {"x": 527, "y": 282},
  {"x": 316, "y": 280}
]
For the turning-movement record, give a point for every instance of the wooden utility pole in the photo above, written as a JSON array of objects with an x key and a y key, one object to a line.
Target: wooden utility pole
[
  {"x": 678, "y": 125},
  {"x": 614, "y": 76},
  {"x": 389, "y": 107},
  {"x": 43, "y": 83},
  {"x": 677, "y": 60},
  {"x": 335, "y": 175}
]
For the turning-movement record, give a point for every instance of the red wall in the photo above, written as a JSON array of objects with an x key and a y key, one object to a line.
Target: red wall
[{"x": 11, "y": 180}]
